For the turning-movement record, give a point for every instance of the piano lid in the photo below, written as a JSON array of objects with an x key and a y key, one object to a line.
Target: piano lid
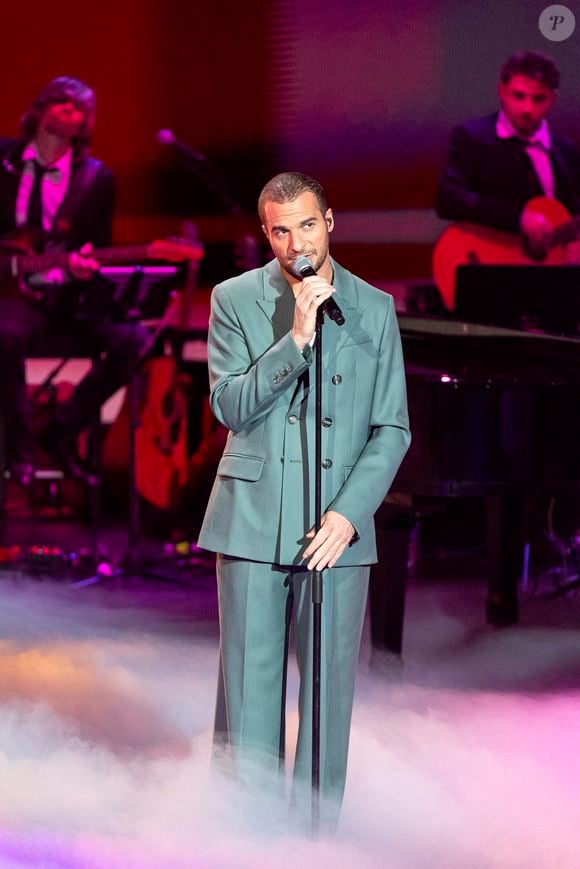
[
  {"x": 446, "y": 327},
  {"x": 458, "y": 348}
]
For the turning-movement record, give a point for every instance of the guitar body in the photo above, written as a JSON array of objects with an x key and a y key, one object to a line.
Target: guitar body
[
  {"x": 470, "y": 243},
  {"x": 161, "y": 439},
  {"x": 20, "y": 243}
]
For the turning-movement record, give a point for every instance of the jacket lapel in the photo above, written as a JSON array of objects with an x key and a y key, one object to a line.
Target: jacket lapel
[
  {"x": 346, "y": 297},
  {"x": 277, "y": 303},
  {"x": 10, "y": 175}
]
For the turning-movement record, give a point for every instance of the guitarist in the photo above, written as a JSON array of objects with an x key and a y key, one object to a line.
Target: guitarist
[
  {"x": 498, "y": 162},
  {"x": 51, "y": 188},
  {"x": 495, "y": 165}
]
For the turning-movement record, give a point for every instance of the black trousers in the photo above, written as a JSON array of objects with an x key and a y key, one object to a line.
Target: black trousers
[{"x": 22, "y": 328}]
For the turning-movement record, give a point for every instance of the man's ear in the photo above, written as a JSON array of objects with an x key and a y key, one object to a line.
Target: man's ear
[
  {"x": 329, "y": 219},
  {"x": 264, "y": 230}
]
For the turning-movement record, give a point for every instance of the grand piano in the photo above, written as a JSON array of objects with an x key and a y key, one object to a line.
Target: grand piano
[{"x": 495, "y": 413}]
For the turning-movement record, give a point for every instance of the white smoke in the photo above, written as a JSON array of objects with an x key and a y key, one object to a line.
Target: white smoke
[{"x": 465, "y": 757}]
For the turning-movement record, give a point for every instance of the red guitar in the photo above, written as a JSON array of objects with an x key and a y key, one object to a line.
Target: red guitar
[
  {"x": 470, "y": 243},
  {"x": 161, "y": 440},
  {"x": 17, "y": 260}
]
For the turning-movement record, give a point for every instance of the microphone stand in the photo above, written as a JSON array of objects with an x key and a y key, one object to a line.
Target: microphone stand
[
  {"x": 198, "y": 164},
  {"x": 317, "y": 584}
]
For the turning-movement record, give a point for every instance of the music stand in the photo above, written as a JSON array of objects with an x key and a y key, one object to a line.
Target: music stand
[{"x": 529, "y": 297}]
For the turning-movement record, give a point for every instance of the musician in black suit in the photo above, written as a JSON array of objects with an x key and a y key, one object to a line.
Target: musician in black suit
[
  {"x": 50, "y": 186},
  {"x": 498, "y": 162},
  {"x": 495, "y": 165}
]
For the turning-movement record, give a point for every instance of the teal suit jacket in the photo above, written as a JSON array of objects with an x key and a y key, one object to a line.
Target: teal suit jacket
[{"x": 262, "y": 390}]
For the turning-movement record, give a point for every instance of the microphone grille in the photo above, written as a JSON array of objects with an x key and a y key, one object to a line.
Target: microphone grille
[{"x": 303, "y": 266}]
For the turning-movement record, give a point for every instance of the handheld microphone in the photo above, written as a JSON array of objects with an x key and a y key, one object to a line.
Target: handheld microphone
[{"x": 303, "y": 269}]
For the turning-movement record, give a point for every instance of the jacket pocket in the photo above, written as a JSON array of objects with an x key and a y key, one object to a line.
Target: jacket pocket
[{"x": 241, "y": 467}]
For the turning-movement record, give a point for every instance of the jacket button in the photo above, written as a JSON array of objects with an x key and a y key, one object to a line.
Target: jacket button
[
  {"x": 292, "y": 419},
  {"x": 327, "y": 422},
  {"x": 336, "y": 379},
  {"x": 327, "y": 463}
]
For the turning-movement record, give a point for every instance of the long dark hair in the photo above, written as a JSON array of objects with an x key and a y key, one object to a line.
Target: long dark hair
[{"x": 59, "y": 90}]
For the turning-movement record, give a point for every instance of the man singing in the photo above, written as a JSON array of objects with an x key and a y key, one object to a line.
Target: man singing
[{"x": 260, "y": 515}]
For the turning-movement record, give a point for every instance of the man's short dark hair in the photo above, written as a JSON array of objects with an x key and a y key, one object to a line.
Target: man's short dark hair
[
  {"x": 59, "y": 90},
  {"x": 534, "y": 65},
  {"x": 287, "y": 187}
]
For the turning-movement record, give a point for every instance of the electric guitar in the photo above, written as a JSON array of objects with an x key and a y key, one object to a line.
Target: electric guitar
[
  {"x": 470, "y": 243},
  {"x": 18, "y": 260}
]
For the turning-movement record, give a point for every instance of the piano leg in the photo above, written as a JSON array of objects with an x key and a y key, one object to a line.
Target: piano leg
[
  {"x": 388, "y": 579},
  {"x": 505, "y": 522}
]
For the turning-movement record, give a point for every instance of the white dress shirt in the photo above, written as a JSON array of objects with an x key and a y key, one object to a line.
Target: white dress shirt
[{"x": 53, "y": 189}]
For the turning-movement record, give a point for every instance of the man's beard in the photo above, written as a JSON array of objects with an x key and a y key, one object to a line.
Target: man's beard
[{"x": 316, "y": 258}]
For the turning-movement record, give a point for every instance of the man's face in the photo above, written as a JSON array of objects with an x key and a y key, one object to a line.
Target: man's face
[
  {"x": 298, "y": 228},
  {"x": 526, "y": 102},
  {"x": 63, "y": 118}
]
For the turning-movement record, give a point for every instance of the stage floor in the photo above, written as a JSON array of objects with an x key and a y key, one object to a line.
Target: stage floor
[{"x": 463, "y": 754}]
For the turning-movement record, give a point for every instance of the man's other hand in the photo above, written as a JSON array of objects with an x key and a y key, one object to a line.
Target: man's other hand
[
  {"x": 82, "y": 265},
  {"x": 328, "y": 544},
  {"x": 537, "y": 233}
]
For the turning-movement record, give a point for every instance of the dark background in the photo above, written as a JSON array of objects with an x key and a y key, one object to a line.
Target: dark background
[{"x": 361, "y": 95}]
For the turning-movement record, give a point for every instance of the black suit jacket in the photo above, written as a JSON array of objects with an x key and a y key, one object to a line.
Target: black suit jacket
[
  {"x": 86, "y": 213},
  {"x": 489, "y": 180}
]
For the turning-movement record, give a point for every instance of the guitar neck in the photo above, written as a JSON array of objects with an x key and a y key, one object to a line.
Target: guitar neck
[{"x": 31, "y": 263}]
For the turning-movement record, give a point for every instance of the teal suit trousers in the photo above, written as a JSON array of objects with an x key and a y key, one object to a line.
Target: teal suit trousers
[{"x": 254, "y": 610}]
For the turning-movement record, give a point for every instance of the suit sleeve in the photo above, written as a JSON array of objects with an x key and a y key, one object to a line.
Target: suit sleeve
[
  {"x": 458, "y": 197},
  {"x": 568, "y": 161},
  {"x": 389, "y": 438},
  {"x": 244, "y": 390},
  {"x": 100, "y": 230}
]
